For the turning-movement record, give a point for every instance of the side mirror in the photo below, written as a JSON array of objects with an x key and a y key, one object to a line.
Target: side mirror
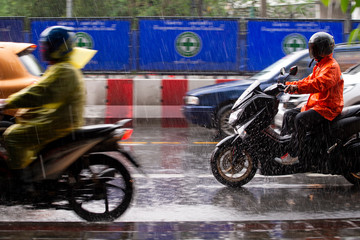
[
  {"x": 282, "y": 71},
  {"x": 293, "y": 70}
]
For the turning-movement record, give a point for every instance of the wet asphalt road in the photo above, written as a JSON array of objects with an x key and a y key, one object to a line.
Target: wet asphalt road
[
  {"x": 179, "y": 187},
  {"x": 180, "y": 199}
]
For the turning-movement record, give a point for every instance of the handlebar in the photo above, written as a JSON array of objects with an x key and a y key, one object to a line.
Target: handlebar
[
  {"x": 281, "y": 87},
  {"x": 284, "y": 76}
]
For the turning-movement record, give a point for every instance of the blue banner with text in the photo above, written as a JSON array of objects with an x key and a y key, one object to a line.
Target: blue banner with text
[
  {"x": 110, "y": 37},
  {"x": 268, "y": 41},
  {"x": 188, "y": 45}
]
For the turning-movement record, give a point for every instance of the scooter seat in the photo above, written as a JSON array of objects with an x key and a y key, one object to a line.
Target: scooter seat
[
  {"x": 347, "y": 123},
  {"x": 83, "y": 133},
  {"x": 92, "y": 131},
  {"x": 348, "y": 112}
]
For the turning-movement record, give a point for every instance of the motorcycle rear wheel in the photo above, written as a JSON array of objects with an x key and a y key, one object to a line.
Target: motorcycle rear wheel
[
  {"x": 102, "y": 190},
  {"x": 232, "y": 166}
]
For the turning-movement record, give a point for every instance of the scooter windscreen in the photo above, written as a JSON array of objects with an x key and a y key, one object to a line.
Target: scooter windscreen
[
  {"x": 255, "y": 111},
  {"x": 246, "y": 94}
]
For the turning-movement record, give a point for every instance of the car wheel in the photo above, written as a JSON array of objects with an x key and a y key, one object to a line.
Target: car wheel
[{"x": 225, "y": 129}]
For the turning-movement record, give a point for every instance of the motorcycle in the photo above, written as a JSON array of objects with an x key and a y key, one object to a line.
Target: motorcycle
[
  {"x": 329, "y": 149},
  {"x": 85, "y": 169}
]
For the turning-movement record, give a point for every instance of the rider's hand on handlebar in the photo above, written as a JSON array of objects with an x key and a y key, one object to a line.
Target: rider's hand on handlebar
[{"x": 291, "y": 89}]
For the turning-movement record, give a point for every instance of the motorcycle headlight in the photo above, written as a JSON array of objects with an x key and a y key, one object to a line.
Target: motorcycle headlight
[
  {"x": 234, "y": 116},
  {"x": 191, "y": 100},
  {"x": 241, "y": 131}
]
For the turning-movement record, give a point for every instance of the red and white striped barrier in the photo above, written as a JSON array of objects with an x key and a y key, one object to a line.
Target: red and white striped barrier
[{"x": 114, "y": 97}]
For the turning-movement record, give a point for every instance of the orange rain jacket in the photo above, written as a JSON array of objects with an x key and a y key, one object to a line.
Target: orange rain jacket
[{"x": 325, "y": 86}]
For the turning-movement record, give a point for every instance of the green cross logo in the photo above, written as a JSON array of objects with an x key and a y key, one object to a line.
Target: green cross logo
[
  {"x": 293, "y": 42},
  {"x": 188, "y": 44},
  {"x": 84, "y": 40}
]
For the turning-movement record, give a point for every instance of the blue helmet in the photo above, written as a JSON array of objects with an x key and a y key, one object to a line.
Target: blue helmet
[{"x": 56, "y": 42}]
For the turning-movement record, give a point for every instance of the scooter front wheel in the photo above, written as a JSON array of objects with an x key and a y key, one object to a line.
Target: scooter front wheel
[
  {"x": 353, "y": 178},
  {"x": 102, "y": 190},
  {"x": 232, "y": 166}
]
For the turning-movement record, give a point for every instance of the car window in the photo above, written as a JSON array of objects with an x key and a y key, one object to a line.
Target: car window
[
  {"x": 347, "y": 59},
  {"x": 31, "y": 64},
  {"x": 274, "y": 69}
]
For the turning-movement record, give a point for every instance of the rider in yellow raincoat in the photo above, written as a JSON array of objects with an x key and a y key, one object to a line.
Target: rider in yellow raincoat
[{"x": 52, "y": 107}]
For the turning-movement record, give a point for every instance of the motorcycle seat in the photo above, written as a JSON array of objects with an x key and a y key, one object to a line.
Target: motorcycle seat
[
  {"x": 92, "y": 131},
  {"x": 348, "y": 112},
  {"x": 347, "y": 123},
  {"x": 343, "y": 125},
  {"x": 83, "y": 133}
]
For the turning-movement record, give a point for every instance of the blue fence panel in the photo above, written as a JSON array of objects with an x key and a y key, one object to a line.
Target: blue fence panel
[
  {"x": 188, "y": 45},
  {"x": 242, "y": 52},
  {"x": 134, "y": 49},
  {"x": 269, "y": 41},
  {"x": 110, "y": 37},
  {"x": 355, "y": 24},
  {"x": 12, "y": 29}
]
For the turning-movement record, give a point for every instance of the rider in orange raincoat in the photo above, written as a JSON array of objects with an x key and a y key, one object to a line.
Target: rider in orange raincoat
[{"x": 325, "y": 86}]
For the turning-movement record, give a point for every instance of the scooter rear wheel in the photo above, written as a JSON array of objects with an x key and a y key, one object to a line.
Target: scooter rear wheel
[
  {"x": 232, "y": 166},
  {"x": 102, "y": 190}
]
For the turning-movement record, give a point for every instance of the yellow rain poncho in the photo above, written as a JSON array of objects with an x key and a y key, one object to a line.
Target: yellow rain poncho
[{"x": 49, "y": 109}]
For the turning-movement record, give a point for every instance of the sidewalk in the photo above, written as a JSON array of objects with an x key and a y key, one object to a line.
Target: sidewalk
[{"x": 297, "y": 229}]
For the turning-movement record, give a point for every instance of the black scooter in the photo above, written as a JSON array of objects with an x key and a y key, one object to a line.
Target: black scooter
[
  {"x": 84, "y": 171},
  {"x": 329, "y": 149}
]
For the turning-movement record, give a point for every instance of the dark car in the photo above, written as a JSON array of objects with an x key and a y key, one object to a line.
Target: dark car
[{"x": 210, "y": 106}]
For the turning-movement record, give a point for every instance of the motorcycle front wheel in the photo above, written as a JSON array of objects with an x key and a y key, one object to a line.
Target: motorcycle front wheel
[
  {"x": 232, "y": 166},
  {"x": 102, "y": 189},
  {"x": 353, "y": 178}
]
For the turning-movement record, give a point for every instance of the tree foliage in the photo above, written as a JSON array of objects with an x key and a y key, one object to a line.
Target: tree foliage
[
  {"x": 33, "y": 8},
  {"x": 112, "y": 8},
  {"x": 345, "y": 6},
  {"x": 134, "y": 8},
  {"x": 274, "y": 8}
]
